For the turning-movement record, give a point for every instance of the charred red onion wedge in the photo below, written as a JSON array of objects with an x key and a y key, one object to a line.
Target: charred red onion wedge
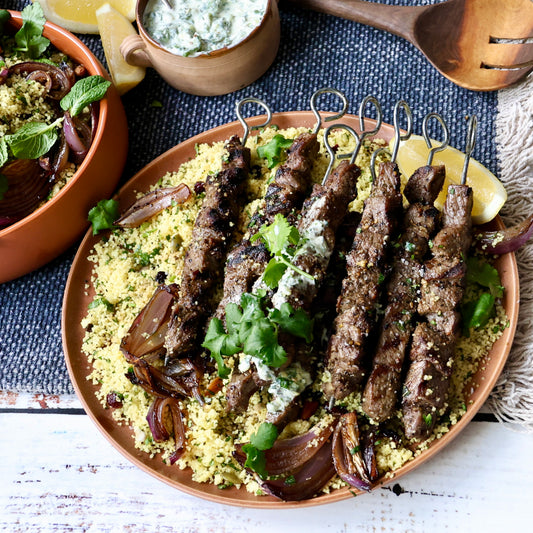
[
  {"x": 143, "y": 343},
  {"x": 153, "y": 203},
  {"x": 156, "y": 422},
  {"x": 307, "y": 481},
  {"x": 78, "y": 136},
  {"x": 506, "y": 240},
  {"x": 60, "y": 81},
  {"x": 347, "y": 456}
]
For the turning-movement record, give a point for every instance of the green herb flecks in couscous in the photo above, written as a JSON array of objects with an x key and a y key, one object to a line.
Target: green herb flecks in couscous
[{"x": 129, "y": 265}]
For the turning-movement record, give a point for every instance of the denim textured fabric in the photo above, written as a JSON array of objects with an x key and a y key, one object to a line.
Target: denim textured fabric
[{"x": 316, "y": 50}]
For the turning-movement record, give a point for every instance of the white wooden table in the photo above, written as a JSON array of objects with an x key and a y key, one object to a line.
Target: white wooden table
[{"x": 58, "y": 473}]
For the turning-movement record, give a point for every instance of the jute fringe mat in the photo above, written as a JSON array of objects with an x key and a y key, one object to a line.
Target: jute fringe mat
[{"x": 512, "y": 398}]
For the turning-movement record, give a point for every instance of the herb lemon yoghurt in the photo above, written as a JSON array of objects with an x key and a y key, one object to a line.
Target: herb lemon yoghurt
[{"x": 194, "y": 27}]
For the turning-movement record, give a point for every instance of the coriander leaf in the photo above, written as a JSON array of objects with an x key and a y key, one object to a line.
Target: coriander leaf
[
  {"x": 103, "y": 214},
  {"x": 277, "y": 235},
  {"x": 4, "y": 185},
  {"x": 32, "y": 140},
  {"x": 233, "y": 317},
  {"x": 264, "y": 438},
  {"x": 272, "y": 150},
  {"x": 4, "y": 156},
  {"x": 255, "y": 460},
  {"x": 29, "y": 38},
  {"x": 218, "y": 342},
  {"x": 4, "y": 17},
  {"x": 84, "y": 92},
  {"x": 485, "y": 275},
  {"x": 251, "y": 307},
  {"x": 260, "y": 338},
  {"x": 296, "y": 322},
  {"x": 273, "y": 273}
]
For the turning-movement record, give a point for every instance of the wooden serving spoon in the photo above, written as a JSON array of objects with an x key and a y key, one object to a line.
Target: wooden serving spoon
[{"x": 482, "y": 45}]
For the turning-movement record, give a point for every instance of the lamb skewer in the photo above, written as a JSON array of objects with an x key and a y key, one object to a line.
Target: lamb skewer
[
  {"x": 443, "y": 285},
  {"x": 207, "y": 252},
  {"x": 356, "y": 306},
  {"x": 381, "y": 391}
]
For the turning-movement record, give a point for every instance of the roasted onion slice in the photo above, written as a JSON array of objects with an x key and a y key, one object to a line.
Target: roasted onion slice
[
  {"x": 153, "y": 203},
  {"x": 156, "y": 422},
  {"x": 347, "y": 456},
  {"x": 506, "y": 240},
  {"x": 60, "y": 83}
]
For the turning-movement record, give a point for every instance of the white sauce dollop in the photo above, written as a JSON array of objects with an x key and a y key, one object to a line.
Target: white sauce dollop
[{"x": 194, "y": 27}]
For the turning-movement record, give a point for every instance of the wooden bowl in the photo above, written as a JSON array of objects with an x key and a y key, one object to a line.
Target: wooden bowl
[
  {"x": 79, "y": 293},
  {"x": 219, "y": 72},
  {"x": 52, "y": 228}
]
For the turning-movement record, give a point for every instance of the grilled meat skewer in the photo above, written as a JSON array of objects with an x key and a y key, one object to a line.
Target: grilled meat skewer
[
  {"x": 207, "y": 251},
  {"x": 419, "y": 224},
  {"x": 433, "y": 344},
  {"x": 285, "y": 195},
  {"x": 247, "y": 261},
  {"x": 321, "y": 216},
  {"x": 356, "y": 306}
]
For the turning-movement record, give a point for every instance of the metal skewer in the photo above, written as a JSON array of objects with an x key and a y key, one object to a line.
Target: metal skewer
[
  {"x": 314, "y": 109},
  {"x": 246, "y": 127},
  {"x": 437, "y": 148},
  {"x": 470, "y": 143},
  {"x": 331, "y": 151}
]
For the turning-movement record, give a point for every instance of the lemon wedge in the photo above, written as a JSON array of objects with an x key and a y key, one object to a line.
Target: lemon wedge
[
  {"x": 489, "y": 193},
  {"x": 114, "y": 28},
  {"x": 80, "y": 15}
]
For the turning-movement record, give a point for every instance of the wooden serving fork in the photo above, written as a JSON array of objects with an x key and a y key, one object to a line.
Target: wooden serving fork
[{"x": 482, "y": 45}]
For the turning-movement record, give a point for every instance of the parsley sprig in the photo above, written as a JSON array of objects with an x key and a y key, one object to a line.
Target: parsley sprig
[
  {"x": 260, "y": 441},
  {"x": 283, "y": 241},
  {"x": 252, "y": 328}
]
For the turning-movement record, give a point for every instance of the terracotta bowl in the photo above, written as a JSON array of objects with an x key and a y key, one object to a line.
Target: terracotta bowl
[
  {"x": 220, "y": 72},
  {"x": 52, "y": 228}
]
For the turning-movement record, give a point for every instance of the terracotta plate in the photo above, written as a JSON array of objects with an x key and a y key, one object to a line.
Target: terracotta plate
[{"x": 77, "y": 298}]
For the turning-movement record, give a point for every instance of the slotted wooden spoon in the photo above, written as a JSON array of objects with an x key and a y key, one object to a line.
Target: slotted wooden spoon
[{"x": 482, "y": 45}]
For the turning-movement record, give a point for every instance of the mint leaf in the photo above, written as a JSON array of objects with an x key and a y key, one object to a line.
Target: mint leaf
[
  {"x": 272, "y": 150},
  {"x": 29, "y": 38},
  {"x": 101, "y": 301},
  {"x": 103, "y": 215},
  {"x": 4, "y": 17},
  {"x": 32, "y": 140},
  {"x": 264, "y": 438},
  {"x": 84, "y": 92},
  {"x": 4, "y": 186},
  {"x": 296, "y": 322}
]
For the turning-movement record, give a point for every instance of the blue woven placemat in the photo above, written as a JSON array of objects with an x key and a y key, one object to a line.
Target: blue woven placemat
[{"x": 316, "y": 50}]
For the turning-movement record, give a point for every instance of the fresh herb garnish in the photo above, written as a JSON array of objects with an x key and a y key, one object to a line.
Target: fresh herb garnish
[
  {"x": 272, "y": 150},
  {"x": 29, "y": 39},
  {"x": 3, "y": 152},
  {"x": 103, "y": 214},
  {"x": 4, "y": 185},
  {"x": 281, "y": 240},
  {"x": 101, "y": 301},
  {"x": 428, "y": 419},
  {"x": 260, "y": 441},
  {"x": 4, "y": 17},
  {"x": 32, "y": 140},
  {"x": 84, "y": 92},
  {"x": 476, "y": 314},
  {"x": 251, "y": 328}
]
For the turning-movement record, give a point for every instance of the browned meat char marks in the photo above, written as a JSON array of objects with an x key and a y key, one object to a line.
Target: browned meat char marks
[
  {"x": 247, "y": 261},
  {"x": 433, "y": 344},
  {"x": 356, "y": 306},
  {"x": 285, "y": 195},
  {"x": 207, "y": 251},
  {"x": 382, "y": 389}
]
